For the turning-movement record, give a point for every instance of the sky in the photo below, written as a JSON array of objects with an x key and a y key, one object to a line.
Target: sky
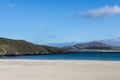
[{"x": 56, "y": 21}]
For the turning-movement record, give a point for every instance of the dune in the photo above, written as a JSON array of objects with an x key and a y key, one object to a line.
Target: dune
[{"x": 59, "y": 70}]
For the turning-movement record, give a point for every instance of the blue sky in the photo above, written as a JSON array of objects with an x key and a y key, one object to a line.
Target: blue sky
[{"x": 54, "y": 21}]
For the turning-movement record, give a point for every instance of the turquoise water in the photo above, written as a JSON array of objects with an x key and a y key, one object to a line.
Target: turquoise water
[{"x": 72, "y": 56}]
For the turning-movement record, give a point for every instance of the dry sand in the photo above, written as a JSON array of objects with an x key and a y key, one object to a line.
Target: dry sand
[{"x": 59, "y": 70}]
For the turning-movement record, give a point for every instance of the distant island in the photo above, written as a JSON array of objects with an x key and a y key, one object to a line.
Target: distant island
[
  {"x": 93, "y": 47},
  {"x": 9, "y": 47}
]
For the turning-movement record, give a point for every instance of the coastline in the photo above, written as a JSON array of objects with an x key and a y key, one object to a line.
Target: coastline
[{"x": 59, "y": 70}]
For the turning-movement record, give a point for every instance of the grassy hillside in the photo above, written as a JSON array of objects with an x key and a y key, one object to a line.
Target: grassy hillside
[{"x": 21, "y": 47}]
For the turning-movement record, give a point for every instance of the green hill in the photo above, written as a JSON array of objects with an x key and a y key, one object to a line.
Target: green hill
[{"x": 21, "y": 47}]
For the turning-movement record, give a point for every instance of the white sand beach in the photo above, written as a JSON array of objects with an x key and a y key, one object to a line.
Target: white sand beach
[{"x": 59, "y": 70}]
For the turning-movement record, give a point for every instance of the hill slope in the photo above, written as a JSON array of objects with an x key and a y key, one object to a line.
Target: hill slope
[
  {"x": 21, "y": 47},
  {"x": 93, "y": 47}
]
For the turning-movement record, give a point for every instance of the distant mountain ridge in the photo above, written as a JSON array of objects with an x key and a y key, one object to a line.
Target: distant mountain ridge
[
  {"x": 93, "y": 47},
  {"x": 62, "y": 44},
  {"x": 112, "y": 41},
  {"x": 21, "y": 47}
]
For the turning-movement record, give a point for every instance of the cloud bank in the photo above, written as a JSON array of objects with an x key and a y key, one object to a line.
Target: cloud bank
[{"x": 101, "y": 12}]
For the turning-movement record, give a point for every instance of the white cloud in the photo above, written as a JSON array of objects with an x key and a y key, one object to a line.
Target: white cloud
[
  {"x": 101, "y": 12},
  {"x": 6, "y": 3},
  {"x": 11, "y": 5},
  {"x": 52, "y": 36}
]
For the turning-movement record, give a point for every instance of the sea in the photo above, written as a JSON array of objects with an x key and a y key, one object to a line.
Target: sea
[{"x": 111, "y": 56}]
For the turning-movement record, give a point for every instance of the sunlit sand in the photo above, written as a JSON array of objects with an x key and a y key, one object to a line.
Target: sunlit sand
[{"x": 59, "y": 70}]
